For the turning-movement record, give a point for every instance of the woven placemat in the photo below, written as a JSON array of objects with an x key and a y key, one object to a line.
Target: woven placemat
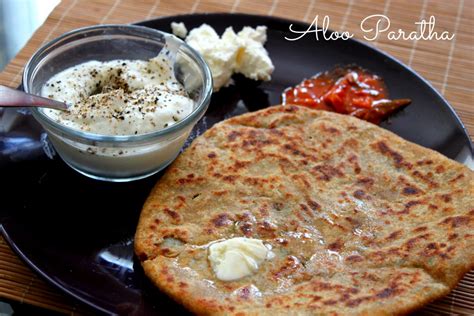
[{"x": 448, "y": 65}]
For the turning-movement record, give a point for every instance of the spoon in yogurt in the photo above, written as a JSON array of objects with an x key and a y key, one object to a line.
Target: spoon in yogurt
[{"x": 15, "y": 98}]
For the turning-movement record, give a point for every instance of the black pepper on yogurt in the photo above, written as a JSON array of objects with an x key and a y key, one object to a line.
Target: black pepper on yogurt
[{"x": 119, "y": 97}]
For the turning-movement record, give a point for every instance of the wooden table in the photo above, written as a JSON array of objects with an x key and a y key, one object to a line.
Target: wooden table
[{"x": 448, "y": 65}]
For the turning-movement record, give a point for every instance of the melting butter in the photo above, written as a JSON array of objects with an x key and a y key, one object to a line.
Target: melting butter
[{"x": 235, "y": 258}]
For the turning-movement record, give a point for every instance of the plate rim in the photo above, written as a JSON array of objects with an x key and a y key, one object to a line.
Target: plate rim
[
  {"x": 90, "y": 304},
  {"x": 48, "y": 278}
]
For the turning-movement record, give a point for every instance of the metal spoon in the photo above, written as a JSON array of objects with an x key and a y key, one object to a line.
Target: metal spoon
[{"x": 15, "y": 98}]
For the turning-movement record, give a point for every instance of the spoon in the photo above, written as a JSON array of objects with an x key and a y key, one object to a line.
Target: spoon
[{"x": 15, "y": 98}]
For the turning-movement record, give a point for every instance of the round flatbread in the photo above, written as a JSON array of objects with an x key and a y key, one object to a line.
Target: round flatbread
[{"x": 360, "y": 220}]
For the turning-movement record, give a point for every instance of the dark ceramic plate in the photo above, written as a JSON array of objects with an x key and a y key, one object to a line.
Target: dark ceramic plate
[{"x": 77, "y": 232}]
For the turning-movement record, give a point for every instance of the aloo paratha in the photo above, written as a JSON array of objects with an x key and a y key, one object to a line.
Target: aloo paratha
[{"x": 361, "y": 221}]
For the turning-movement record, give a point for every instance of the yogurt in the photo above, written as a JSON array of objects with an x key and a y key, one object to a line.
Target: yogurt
[{"x": 119, "y": 97}]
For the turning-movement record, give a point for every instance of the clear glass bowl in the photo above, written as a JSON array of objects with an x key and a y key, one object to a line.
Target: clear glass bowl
[{"x": 117, "y": 158}]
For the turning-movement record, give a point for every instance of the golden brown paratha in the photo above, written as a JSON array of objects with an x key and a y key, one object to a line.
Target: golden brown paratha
[{"x": 361, "y": 221}]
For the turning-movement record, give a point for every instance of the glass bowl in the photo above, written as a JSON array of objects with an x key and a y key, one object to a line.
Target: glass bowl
[{"x": 124, "y": 157}]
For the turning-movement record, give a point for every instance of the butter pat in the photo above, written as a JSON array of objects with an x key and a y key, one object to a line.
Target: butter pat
[{"x": 238, "y": 257}]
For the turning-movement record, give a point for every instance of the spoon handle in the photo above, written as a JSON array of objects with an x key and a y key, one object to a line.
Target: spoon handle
[{"x": 16, "y": 98}]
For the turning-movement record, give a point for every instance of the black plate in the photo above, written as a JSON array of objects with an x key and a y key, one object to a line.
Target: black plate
[{"x": 77, "y": 232}]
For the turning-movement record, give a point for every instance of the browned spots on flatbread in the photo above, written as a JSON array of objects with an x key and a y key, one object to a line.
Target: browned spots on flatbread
[
  {"x": 382, "y": 147},
  {"x": 222, "y": 219},
  {"x": 394, "y": 235},
  {"x": 220, "y": 192},
  {"x": 232, "y": 136},
  {"x": 307, "y": 210},
  {"x": 267, "y": 229},
  {"x": 420, "y": 229},
  {"x": 239, "y": 164},
  {"x": 413, "y": 242},
  {"x": 256, "y": 181},
  {"x": 409, "y": 188},
  {"x": 353, "y": 160},
  {"x": 315, "y": 206},
  {"x": 360, "y": 221},
  {"x": 354, "y": 302},
  {"x": 329, "y": 129},
  {"x": 176, "y": 233},
  {"x": 189, "y": 179},
  {"x": 287, "y": 267},
  {"x": 409, "y": 205},
  {"x": 424, "y": 162},
  {"x": 446, "y": 198},
  {"x": 244, "y": 293},
  {"x": 365, "y": 181},
  {"x": 440, "y": 169},
  {"x": 360, "y": 194},
  {"x": 353, "y": 221},
  {"x": 453, "y": 236},
  {"x": 246, "y": 228},
  {"x": 435, "y": 249},
  {"x": 283, "y": 119},
  {"x": 426, "y": 178},
  {"x": 336, "y": 246},
  {"x": 302, "y": 178},
  {"x": 330, "y": 302},
  {"x": 142, "y": 256},
  {"x": 300, "y": 215},
  {"x": 326, "y": 172},
  {"x": 293, "y": 149},
  {"x": 355, "y": 258},
  {"x": 255, "y": 143},
  {"x": 456, "y": 178},
  {"x": 176, "y": 218},
  {"x": 410, "y": 191},
  {"x": 230, "y": 178},
  {"x": 391, "y": 291},
  {"x": 457, "y": 221}
]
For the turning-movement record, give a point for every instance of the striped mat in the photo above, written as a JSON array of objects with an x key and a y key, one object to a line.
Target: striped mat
[{"x": 448, "y": 65}]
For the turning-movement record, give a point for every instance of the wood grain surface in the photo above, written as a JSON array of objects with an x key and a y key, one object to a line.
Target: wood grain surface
[{"x": 448, "y": 65}]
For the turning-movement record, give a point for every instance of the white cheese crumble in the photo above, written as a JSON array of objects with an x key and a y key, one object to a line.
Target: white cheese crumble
[
  {"x": 235, "y": 258},
  {"x": 241, "y": 52},
  {"x": 179, "y": 29}
]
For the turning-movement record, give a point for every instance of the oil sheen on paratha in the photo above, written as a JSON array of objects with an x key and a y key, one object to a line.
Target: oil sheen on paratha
[{"x": 361, "y": 221}]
